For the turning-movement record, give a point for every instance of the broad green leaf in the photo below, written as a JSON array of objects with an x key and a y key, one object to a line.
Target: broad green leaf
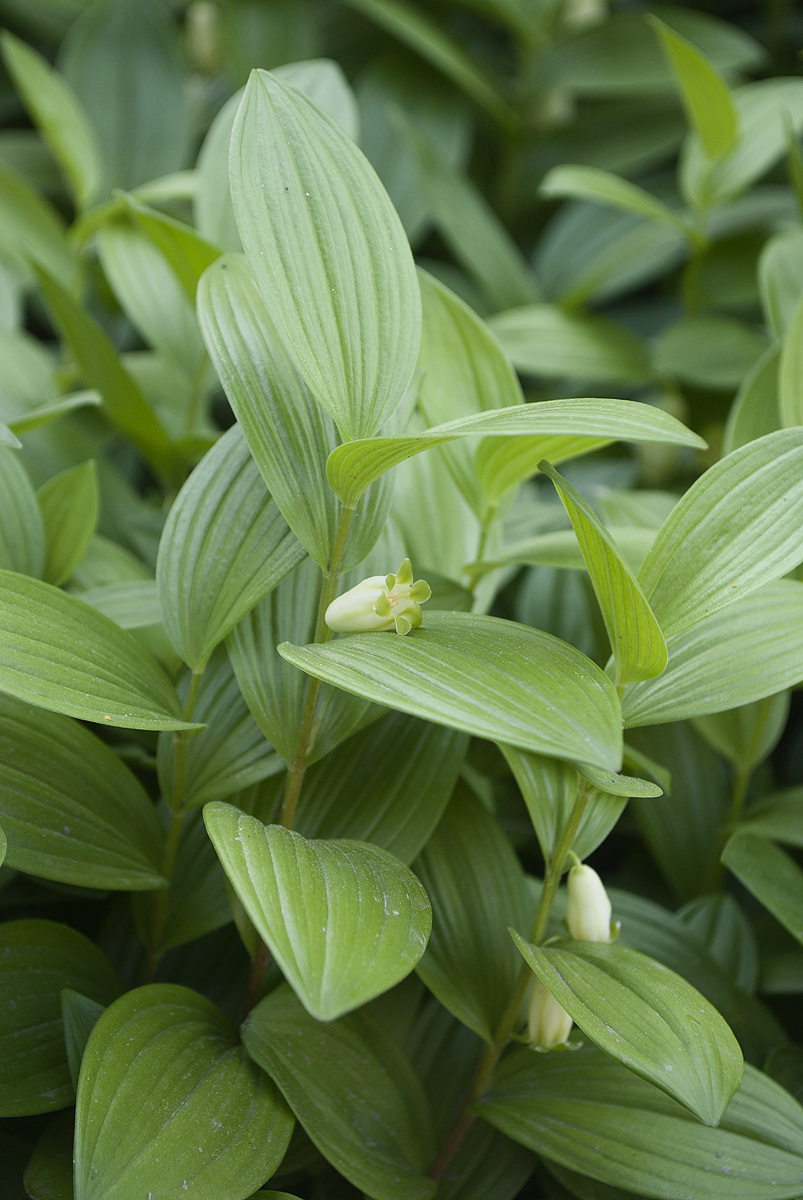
[
  {"x": 131, "y": 604},
  {"x": 549, "y": 788},
  {"x": 79, "y": 1015},
  {"x": 542, "y": 339},
  {"x": 746, "y": 652},
  {"x": 187, "y": 252},
  {"x": 7, "y": 438},
  {"x": 325, "y": 82},
  {"x": 492, "y": 678},
  {"x": 225, "y": 545},
  {"x": 638, "y": 646},
  {"x": 122, "y": 62},
  {"x": 273, "y": 690},
  {"x": 748, "y": 734},
  {"x": 231, "y": 753},
  {"x": 344, "y": 920},
  {"x": 290, "y": 436},
  {"x": 755, "y": 410},
  {"x": 723, "y": 928},
  {"x": 590, "y": 1114},
  {"x": 56, "y": 110},
  {"x": 70, "y": 809},
  {"x": 780, "y": 277},
  {"x": 733, "y": 531},
  {"x": 772, "y": 875},
  {"x": 100, "y": 365},
  {"x": 213, "y": 211},
  {"x": 354, "y": 1092},
  {"x": 428, "y": 40},
  {"x": 708, "y": 350},
  {"x": 778, "y": 816},
  {"x": 561, "y": 549},
  {"x": 568, "y": 426},
  {"x": 48, "y": 1174},
  {"x": 790, "y": 371},
  {"x": 602, "y": 187},
  {"x": 328, "y": 252},
  {"x": 22, "y": 536},
  {"x": 39, "y": 959},
  {"x": 213, "y": 1121},
  {"x": 477, "y": 889},
  {"x": 706, "y": 97},
  {"x": 388, "y": 784},
  {"x": 69, "y": 506},
  {"x": 57, "y": 652},
  {"x": 646, "y": 1017},
  {"x": 32, "y": 229}
]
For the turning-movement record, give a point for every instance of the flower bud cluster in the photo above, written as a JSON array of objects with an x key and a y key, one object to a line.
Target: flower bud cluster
[{"x": 380, "y": 602}]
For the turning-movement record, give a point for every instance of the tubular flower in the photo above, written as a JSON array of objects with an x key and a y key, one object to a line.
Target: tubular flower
[
  {"x": 588, "y": 913},
  {"x": 548, "y": 1022},
  {"x": 380, "y": 602}
]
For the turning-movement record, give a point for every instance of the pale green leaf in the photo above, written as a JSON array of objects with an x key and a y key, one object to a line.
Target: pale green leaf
[
  {"x": 734, "y": 530},
  {"x": 328, "y": 252},
  {"x": 131, "y": 603},
  {"x": 43, "y": 414},
  {"x": 225, "y": 545},
  {"x": 59, "y": 653},
  {"x": 706, "y": 96},
  {"x": 31, "y": 229},
  {"x": 188, "y": 253},
  {"x": 69, "y": 506},
  {"x": 354, "y": 1092},
  {"x": 755, "y": 409},
  {"x": 344, "y": 920},
  {"x": 325, "y": 82},
  {"x": 493, "y": 678},
  {"x": 7, "y": 437},
  {"x": 780, "y": 277},
  {"x": 614, "y": 784},
  {"x": 790, "y": 371},
  {"x": 213, "y": 1121},
  {"x": 772, "y": 875},
  {"x": 748, "y": 651},
  {"x": 561, "y": 549},
  {"x": 602, "y": 187},
  {"x": 638, "y": 646},
  {"x": 542, "y": 339},
  {"x": 646, "y": 1017},
  {"x": 746, "y": 735},
  {"x": 22, "y": 536},
  {"x": 709, "y": 350}
]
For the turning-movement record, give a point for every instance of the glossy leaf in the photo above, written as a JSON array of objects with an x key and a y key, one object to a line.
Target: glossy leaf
[
  {"x": 639, "y": 649},
  {"x": 354, "y": 1092},
  {"x": 646, "y": 1017},
  {"x": 22, "y": 536},
  {"x": 477, "y": 889},
  {"x": 733, "y": 531},
  {"x": 345, "y": 920},
  {"x": 70, "y": 809},
  {"x": 328, "y": 252},
  {"x": 492, "y": 678},
  {"x": 172, "y": 1046},
  {"x": 40, "y": 958},
  {"x": 69, "y": 506},
  {"x": 59, "y": 653},
  {"x": 706, "y": 97},
  {"x": 225, "y": 545},
  {"x": 569, "y": 1107},
  {"x": 771, "y": 875}
]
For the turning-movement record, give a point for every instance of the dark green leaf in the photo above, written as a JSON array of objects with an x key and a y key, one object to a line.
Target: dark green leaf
[
  {"x": 80, "y": 1016},
  {"x": 771, "y": 875},
  {"x": 22, "y": 537}
]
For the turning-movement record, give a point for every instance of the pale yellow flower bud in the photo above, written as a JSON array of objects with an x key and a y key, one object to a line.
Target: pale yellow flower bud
[
  {"x": 549, "y": 1024},
  {"x": 588, "y": 913},
  {"x": 380, "y": 602}
]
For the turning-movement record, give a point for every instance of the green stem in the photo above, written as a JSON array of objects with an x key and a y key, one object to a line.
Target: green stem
[
  {"x": 511, "y": 1016},
  {"x": 485, "y": 529}
]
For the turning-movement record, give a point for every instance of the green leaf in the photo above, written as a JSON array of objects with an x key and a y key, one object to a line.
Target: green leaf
[
  {"x": 388, "y": 784},
  {"x": 706, "y": 97},
  {"x": 176, "y": 1048},
  {"x": 790, "y": 371},
  {"x": 59, "y": 653},
  {"x": 7, "y": 438},
  {"x": 780, "y": 277},
  {"x": 777, "y": 816},
  {"x": 69, "y": 506},
  {"x": 614, "y": 784},
  {"x": 225, "y": 545},
  {"x": 734, "y": 530},
  {"x": 708, "y": 350},
  {"x": 428, "y": 40},
  {"x": 328, "y": 252},
  {"x": 542, "y": 339},
  {"x": 325, "y": 82},
  {"x": 72, "y": 812},
  {"x": 755, "y": 410},
  {"x": 646, "y": 1017},
  {"x": 290, "y": 436},
  {"x": 40, "y": 958},
  {"x": 326, "y": 909},
  {"x": 22, "y": 536},
  {"x": 123, "y": 402},
  {"x": 56, "y": 110},
  {"x": 231, "y": 753},
  {"x": 549, "y": 788},
  {"x": 80, "y": 1016},
  {"x": 32, "y": 229},
  {"x": 43, "y": 414},
  {"x": 720, "y": 925},
  {"x": 602, "y": 187},
  {"x": 354, "y": 1092},
  {"x": 187, "y": 252},
  {"x": 575, "y": 426},
  {"x": 489, "y": 677},
  {"x": 561, "y": 549},
  {"x": 750, "y": 650},
  {"x": 639, "y": 649},
  {"x": 592, "y": 1115},
  {"x": 48, "y": 1174},
  {"x": 746, "y": 735},
  {"x": 771, "y": 875},
  {"x": 477, "y": 889}
]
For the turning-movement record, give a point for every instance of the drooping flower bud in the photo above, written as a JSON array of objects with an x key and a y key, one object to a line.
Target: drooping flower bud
[
  {"x": 588, "y": 913},
  {"x": 549, "y": 1025},
  {"x": 380, "y": 602}
]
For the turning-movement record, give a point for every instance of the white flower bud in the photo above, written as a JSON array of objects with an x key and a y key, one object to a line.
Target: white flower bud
[
  {"x": 588, "y": 914},
  {"x": 549, "y": 1024},
  {"x": 380, "y": 602}
]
